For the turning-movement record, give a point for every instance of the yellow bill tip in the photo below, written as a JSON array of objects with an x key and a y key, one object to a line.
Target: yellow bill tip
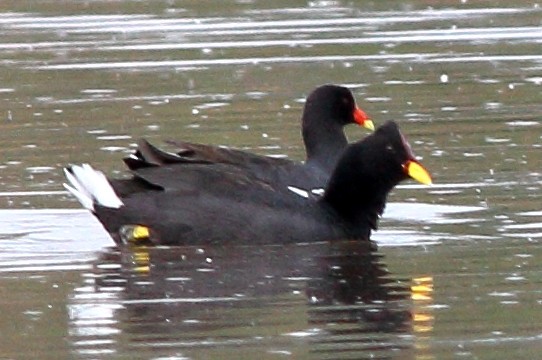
[
  {"x": 368, "y": 124},
  {"x": 361, "y": 118},
  {"x": 416, "y": 171}
]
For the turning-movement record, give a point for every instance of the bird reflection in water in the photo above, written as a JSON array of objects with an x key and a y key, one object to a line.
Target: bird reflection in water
[
  {"x": 355, "y": 299},
  {"x": 324, "y": 298}
]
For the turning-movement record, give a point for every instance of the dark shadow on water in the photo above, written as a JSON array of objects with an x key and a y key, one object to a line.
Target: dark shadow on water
[{"x": 316, "y": 300}]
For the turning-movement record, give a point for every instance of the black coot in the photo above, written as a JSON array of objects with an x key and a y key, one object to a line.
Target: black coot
[
  {"x": 327, "y": 110},
  {"x": 204, "y": 203}
]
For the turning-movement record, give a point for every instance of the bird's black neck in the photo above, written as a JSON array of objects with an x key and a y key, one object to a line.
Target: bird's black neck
[
  {"x": 356, "y": 191},
  {"x": 324, "y": 141}
]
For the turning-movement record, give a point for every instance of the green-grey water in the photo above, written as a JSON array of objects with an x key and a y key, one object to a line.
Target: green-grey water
[{"x": 456, "y": 274}]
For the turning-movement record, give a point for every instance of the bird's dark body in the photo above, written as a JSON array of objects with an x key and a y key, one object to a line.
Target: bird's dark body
[{"x": 192, "y": 203}]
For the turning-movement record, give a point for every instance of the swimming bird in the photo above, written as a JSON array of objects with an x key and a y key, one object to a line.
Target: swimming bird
[
  {"x": 217, "y": 203},
  {"x": 327, "y": 110}
]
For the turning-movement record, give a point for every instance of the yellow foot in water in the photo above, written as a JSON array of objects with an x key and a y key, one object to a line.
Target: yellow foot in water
[{"x": 134, "y": 234}]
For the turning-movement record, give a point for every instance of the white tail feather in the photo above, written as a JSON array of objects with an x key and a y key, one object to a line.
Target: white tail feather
[
  {"x": 86, "y": 201},
  {"x": 91, "y": 186},
  {"x": 75, "y": 184}
]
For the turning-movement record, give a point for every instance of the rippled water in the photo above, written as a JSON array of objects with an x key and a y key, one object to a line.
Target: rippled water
[{"x": 456, "y": 271}]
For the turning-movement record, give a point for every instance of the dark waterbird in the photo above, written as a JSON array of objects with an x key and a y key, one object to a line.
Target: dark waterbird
[
  {"x": 203, "y": 203},
  {"x": 327, "y": 110}
]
